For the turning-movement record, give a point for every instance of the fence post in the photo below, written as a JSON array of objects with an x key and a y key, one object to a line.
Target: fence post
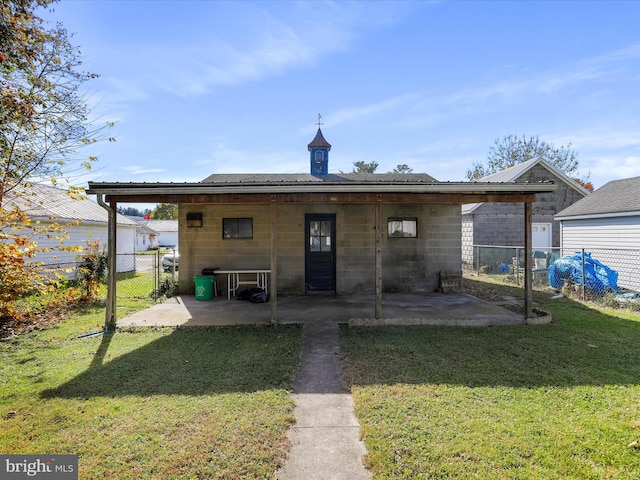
[
  {"x": 173, "y": 270},
  {"x": 584, "y": 279},
  {"x": 156, "y": 273}
]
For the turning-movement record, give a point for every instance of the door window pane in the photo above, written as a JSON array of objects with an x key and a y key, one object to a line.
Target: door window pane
[{"x": 320, "y": 236}]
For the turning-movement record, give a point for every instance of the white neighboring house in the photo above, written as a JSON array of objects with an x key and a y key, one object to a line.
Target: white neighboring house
[
  {"x": 607, "y": 224},
  {"x": 47, "y": 205},
  {"x": 146, "y": 237},
  {"x": 167, "y": 231}
]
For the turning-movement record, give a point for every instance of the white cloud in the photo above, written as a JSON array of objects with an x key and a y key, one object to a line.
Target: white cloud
[
  {"x": 137, "y": 170},
  {"x": 604, "y": 138},
  {"x": 605, "y": 168},
  {"x": 352, "y": 114}
]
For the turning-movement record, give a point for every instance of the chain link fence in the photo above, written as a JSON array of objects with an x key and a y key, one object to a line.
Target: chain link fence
[
  {"x": 608, "y": 277},
  {"x": 151, "y": 274},
  {"x": 143, "y": 275}
]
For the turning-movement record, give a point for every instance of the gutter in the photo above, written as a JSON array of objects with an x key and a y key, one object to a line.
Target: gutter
[{"x": 591, "y": 216}]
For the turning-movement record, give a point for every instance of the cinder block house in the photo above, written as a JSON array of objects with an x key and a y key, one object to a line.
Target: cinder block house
[
  {"x": 323, "y": 232},
  {"x": 501, "y": 224}
]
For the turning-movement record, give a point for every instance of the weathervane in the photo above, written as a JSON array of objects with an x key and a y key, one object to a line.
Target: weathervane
[{"x": 319, "y": 122}]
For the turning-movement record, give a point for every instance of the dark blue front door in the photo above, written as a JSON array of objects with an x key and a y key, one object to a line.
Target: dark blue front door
[{"x": 320, "y": 257}]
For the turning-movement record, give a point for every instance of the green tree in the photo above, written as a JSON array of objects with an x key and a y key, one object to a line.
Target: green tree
[
  {"x": 133, "y": 212},
  {"x": 512, "y": 150},
  {"x": 364, "y": 167},
  {"x": 402, "y": 168},
  {"x": 165, "y": 211},
  {"x": 43, "y": 125}
]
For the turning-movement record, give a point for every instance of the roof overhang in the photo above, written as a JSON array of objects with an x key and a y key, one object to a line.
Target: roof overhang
[{"x": 115, "y": 190}]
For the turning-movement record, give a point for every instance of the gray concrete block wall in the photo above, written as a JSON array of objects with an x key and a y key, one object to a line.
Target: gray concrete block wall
[
  {"x": 409, "y": 264},
  {"x": 413, "y": 264},
  {"x": 467, "y": 240},
  {"x": 503, "y": 223}
]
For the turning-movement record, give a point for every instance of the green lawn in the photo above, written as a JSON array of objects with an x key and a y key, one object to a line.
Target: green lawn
[
  {"x": 184, "y": 403},
  {"x": 554, "y": 401}
]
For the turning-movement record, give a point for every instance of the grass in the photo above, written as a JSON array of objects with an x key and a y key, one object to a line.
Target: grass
[
  {"x": 167, "y": 403},
  {"x": 557, "y": 401}
]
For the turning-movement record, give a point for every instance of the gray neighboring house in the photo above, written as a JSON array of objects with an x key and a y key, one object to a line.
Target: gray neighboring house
[
  {"x": 47, "y": 205},
  {"x": 501, "y": 224},
  {"x": 607, "y": 224}
]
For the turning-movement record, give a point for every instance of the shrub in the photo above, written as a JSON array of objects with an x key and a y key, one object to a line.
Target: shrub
[{"x": 92, "y": 269}]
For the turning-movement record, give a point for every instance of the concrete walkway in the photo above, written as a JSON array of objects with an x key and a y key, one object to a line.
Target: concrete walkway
[{"x": 326, "y": 436}]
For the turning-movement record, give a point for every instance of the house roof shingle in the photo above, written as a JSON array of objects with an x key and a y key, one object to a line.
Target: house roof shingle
[{"x": 614, "y": 198}]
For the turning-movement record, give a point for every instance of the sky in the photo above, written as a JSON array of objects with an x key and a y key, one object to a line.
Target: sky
[{"x": 203, "y": 87}]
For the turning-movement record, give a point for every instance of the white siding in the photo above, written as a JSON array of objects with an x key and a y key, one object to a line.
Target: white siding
[
  {"x": 81, "y": 235},
  {"x": 613, "y": 241},
  {"x": 145, "y": 241},
  {"x": 78, "y": 236},
  {"x": 167, "y": 239},
  {"x": 620, "y": 232}
]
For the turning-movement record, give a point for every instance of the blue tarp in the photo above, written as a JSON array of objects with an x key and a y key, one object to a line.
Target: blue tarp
[{"x": 599, "y": 277}]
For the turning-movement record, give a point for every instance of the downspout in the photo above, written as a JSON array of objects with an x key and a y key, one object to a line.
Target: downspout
[{"x": 110, "y": 317}]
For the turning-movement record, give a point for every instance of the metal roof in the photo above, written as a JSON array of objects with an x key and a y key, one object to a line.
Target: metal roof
[
  {"x": 45, "y": 202},
  {"x": 307, "y": 178},
  {"x": 161, "y": 225},
  {"x": 616, "y": 198},
  {"x": 307, "y": 183},
  {"x": 512, "y": 174}
]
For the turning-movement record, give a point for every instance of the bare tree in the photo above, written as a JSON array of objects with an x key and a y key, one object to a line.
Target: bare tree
[{"x": 513, "y": 150}]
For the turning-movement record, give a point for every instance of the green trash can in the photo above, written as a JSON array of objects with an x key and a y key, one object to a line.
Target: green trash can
[{"x": 204, "y": 287}]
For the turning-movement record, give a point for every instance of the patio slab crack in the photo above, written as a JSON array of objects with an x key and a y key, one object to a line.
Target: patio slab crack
[{"x": 325, "y": 438}]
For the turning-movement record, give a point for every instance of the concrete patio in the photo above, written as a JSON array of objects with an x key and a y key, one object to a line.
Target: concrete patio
[{"x": 453, "y": 309}]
